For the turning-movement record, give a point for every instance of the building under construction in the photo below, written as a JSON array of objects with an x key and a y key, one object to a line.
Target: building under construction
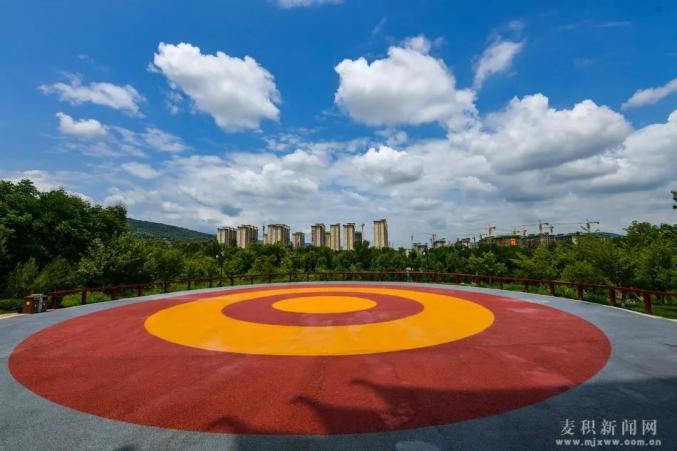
[{"x": 532, "y": 240}]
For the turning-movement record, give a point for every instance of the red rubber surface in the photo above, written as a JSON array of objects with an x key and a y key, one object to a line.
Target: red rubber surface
[
  {"x": 260, "y": 310},
  {"x": 106, "y": 364}
]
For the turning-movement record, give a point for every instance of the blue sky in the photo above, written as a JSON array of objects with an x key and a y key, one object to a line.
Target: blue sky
[{"x": 440, "y": 116}]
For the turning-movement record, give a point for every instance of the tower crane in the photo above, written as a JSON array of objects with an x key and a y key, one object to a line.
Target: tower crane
[
  {"x": 432, "y": 238},
  {"x": 586, "y": 225}
]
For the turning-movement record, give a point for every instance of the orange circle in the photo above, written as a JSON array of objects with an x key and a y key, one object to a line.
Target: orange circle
[
  {"x": 324, "y": 304},
  {"x": 201, "y": 324}
]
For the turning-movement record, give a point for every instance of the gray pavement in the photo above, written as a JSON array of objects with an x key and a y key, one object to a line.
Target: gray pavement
[{"x": 639, "y": 383}]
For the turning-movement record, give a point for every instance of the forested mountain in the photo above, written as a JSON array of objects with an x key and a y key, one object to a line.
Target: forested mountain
[{"x": 164, "y": 232}]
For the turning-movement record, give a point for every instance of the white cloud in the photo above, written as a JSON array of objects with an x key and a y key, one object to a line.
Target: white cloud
[
  {"x": 140, "y": 170},
  {"x": 530, "y": 134},
  {"x": 124, "y": 98},
  {"x": 650, "y": 96},
  {"x": 646, "y": 160},
  {"x": 386, "y": 166},
  {"x": 163, "y": 141},
  {"x": 407, "y": 87},
  {"x": 85, "y": 128},
  {"x": 131, "y": 197},
  {"x": 237, "y": 92},
  {"x": 497, "y": 58},
  {"x": 113, "y": 141},
  {"x": 424, "y": 203},
  {"x": 287, "y": 4}
]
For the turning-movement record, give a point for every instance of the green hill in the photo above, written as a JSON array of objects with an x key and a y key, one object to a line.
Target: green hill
[{"x": 165, "y": 232}]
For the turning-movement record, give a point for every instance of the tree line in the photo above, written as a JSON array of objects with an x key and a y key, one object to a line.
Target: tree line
[{"x": 55, "y": 240}]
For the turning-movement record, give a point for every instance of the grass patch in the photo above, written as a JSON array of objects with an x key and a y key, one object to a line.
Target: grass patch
[{"x": 71, "y": 300}]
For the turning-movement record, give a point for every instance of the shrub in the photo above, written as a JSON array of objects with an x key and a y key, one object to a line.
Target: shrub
[{"x": 11, "y": 305}]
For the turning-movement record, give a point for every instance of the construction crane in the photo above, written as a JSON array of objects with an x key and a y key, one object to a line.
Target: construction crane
[{"x": 586, "y": 225}]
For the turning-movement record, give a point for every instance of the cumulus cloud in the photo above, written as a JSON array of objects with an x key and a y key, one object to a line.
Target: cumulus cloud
[
  {"x": 530, "y": 134},
  {"x": 497, "y": 58},
  {"x": 646, "y": 160},
  {"x": 386, "y": 166},
  {"x": 124, "y": 98},
  {"x": 84, "y": 128},
  {"x": 460, "y": 191},
  {"x": 140, "y": 170},
  {"x": 287, "y": 4},
  {"x": 163, "y": 141},
  {"x": 237, "y": 92},
  {"x": 409, "y": 86},
  {"x": 650, "y": 96}
]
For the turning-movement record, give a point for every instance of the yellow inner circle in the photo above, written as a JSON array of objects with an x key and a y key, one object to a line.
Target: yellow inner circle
[
  {"x": 324, "y": 304},
  {"x": 202, "y": 324}
]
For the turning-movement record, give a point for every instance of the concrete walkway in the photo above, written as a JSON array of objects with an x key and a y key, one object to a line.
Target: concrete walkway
[{"x": 638, "y": 383}]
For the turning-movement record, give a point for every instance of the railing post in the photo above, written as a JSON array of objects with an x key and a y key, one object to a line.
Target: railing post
[
  {"x": 551, "y": 287},
  {"x": 270, "y": 278},
  {"x": 165, "y": 286},
  {"x": 307, "y": 276},
  {"x": 189, "y": 284},
  {"x": 251, "y": 278},
  {"x": 526, "y": 286},
  {"x": 477, "y": 280},
  {"x": 436, "y": 278},
  {"x": 612, "y": 296},
  {"x": 113, "y": 293},
  {"x": 232, "y": 280},
  {"x": 83, "y": 300},
  {"x": 500, "y": 283},
  {"x": 457, "y": 280},
  {"x": 211, "y": 282},
  {"x": 290, "y": 276},
  {"x": 139, "y": 291},
  {"x": 54, "y": 301},
  {"x": 579, "y": 292},
  {"x": 646, "y": 296}
]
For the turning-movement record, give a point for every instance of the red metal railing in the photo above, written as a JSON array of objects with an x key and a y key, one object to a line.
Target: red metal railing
[{"x": 409, "y": 276}]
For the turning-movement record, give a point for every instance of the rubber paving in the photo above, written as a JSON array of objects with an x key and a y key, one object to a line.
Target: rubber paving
[{"x": 338, "y": 366}]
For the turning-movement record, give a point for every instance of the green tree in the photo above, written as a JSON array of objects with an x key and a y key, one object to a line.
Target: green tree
[
  {"x": 123, "y": 260},
  {"x": 166, "y": 263},
  {"x": 540, "y": 265},
  {"x": 56, "y": 275},
  {"x": 264, "y": 264},
  {"x": 486, "y": 264},
  {"x": 20, "y": 280}
]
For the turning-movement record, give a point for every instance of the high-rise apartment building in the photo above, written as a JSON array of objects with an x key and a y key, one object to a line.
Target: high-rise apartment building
[
  {"x": 349, "y": 236},
  {"x": 335, "y": 237},
  {"x": 277, "y": 233},
  {"x": 327, "y": 238},
  {"x": 247, "y": 235},
  {"x": 299, "y": 240},
  {"x": 380, "y": 233},
  {"x": 226, "y": 236},
  {"x": 317, "y": 235}
]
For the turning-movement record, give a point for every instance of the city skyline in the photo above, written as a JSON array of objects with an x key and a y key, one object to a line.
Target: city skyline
[{"x": 340, "y": 236}]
